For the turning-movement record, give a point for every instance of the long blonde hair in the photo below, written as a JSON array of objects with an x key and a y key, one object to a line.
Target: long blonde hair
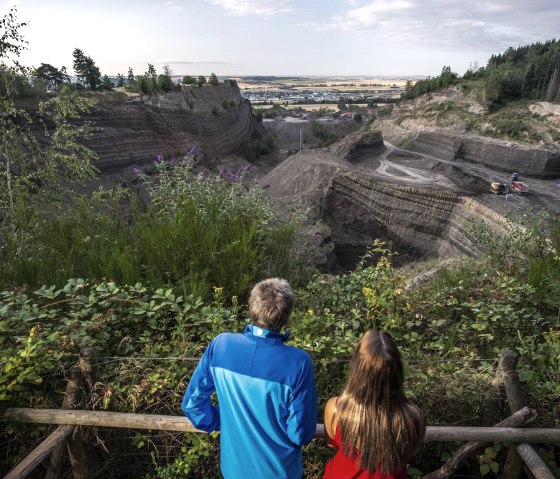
[{"x": 380, "y": 427}]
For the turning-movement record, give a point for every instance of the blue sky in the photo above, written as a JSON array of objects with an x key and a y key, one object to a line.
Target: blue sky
[{"x": 282, "y": 37}]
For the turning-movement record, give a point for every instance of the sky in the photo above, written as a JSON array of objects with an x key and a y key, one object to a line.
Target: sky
[{"x": 391, "y": 38}]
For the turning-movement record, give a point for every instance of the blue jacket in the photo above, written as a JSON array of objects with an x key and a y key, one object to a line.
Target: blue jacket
[{"x": 267, "y": 403}]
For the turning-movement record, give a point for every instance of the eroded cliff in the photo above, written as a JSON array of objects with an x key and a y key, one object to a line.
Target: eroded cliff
[
  {"x": 132, "y": 130},
  {"x": 387, "y": 193}
]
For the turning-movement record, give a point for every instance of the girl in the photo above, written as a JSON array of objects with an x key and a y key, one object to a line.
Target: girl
[{"x": 374, "y": 426}]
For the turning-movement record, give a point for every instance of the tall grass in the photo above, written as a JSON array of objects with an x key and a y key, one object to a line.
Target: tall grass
[{"x": 196, "y": 232}]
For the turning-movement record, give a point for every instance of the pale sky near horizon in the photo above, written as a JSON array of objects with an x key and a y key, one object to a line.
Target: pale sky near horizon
[{"x": 397, "y": 38}]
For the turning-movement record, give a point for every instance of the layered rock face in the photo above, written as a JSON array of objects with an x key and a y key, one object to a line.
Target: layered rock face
[
  {"x": 418, "y": 222},
  {"x": 133, "y": 130},
  {"x": 495, "y": 154},
  {"x": 359, "y": 205},
  {"x": 359, "y": 146}
]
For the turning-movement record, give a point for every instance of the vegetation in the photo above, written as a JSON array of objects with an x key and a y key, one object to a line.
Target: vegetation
[
  {"x": 327, "y": 136},
  {"x": 527, "y": 72},
  {"x": 450, "y": 330}
]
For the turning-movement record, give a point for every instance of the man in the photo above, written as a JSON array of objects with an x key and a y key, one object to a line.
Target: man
[{"x": 267, "y": 403}]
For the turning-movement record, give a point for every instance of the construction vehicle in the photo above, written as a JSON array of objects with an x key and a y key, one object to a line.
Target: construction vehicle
[
  {"x": 499, "y": 188},
  {"x": 519, "y": 187}
]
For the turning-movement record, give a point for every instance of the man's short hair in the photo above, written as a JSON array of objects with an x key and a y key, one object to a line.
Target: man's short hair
[{"x": 271, "y": 303}]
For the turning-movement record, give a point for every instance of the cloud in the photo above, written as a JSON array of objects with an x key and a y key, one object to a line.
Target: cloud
[
  {"x": 254, "y": 7},
  {"x": 449, "y": 24}
]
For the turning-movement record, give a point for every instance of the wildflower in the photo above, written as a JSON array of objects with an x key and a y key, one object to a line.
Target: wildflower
[
  {"x": 173, "y": 160},
  {"x": 248, "y": 167},
  {"x": 136, "y": 170},
  {"x": 159, "y": 157},
  {"x": 255, "y": 181},
  {"x": 310, "y": 312},
  {"x": 222, "y": 173},
  {"x": 266, "y": 187},
  {"x": 194, "y": 149}
]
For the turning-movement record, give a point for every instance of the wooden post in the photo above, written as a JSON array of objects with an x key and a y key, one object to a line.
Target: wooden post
[
  {"x": 32, "y": 460},
  {"x": 90, "y": 370},
  {"x": 92, "y": 377},
  {"x": 535, "y": 464},
  {"x": 516, "y": 400},
  {"x": 495, "y": 398},
  {"x": 71, "y": 398},
  {"x": 519, "y": 418}
]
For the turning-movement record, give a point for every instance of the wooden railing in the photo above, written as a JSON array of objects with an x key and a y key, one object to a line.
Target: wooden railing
[{"x": 510, "y": 430}]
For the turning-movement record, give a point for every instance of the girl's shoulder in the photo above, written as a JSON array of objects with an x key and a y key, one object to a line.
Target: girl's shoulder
[{"x": 330, "y": 416}]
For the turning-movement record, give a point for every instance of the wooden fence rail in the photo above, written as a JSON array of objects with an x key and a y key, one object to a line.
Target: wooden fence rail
[{"x": 182, "y": 424}]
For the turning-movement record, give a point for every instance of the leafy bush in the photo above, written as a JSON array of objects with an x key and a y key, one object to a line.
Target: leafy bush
[{"x": 327, "y": 136}]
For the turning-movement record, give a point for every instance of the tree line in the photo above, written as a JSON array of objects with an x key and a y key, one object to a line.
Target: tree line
[{"x": 527, "y": 72}]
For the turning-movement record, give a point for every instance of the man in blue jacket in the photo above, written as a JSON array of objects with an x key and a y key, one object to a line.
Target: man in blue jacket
[{"x": 267, "y": 403}]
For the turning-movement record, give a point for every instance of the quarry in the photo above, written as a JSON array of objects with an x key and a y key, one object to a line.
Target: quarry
[{"x": 420, "y": 197}]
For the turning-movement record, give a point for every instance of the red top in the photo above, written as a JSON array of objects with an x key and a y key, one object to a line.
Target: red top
[{"x": 343, "y": 467}]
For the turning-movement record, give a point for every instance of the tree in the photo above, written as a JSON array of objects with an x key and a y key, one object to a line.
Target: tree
[
  {"x": 201, "y": 80},
  {"x": 120, "y": 80},
  {"x": 214, "y": 79},
  {"x": 165, "y": 83},
  {"x": 151, "y": 71},
  {"x": 188, "y": 80},
  {"x": 33, "y": 173},
  {"x": 106, "y": 83},
  {"x": 130, "y": 78},
  {"x": 52, "y": 76},
  {"x": 87, "y": 71},
  {"x": 11, "y": 41}
]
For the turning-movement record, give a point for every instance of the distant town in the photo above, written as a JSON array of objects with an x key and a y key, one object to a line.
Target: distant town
[{"x": 270, "y": 90}]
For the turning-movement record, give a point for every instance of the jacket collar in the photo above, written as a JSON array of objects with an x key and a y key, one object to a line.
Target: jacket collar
[{"x": 258, "y": 332}]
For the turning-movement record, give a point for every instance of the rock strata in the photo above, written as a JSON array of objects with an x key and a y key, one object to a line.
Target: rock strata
[
  {"x": 498, "y": 155},
  {"x": 133, "y": 130},
  {"x": 358, "y": 205}
]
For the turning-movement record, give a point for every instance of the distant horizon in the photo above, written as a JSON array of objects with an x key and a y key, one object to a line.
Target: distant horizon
[{"x": 393, "y": 38}]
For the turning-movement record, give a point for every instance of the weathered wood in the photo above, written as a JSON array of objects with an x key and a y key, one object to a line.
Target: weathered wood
[
  {"x": 33, "y": 459},
  {"x": 514, "y": 392},
  {"x": 503, "y": 432},
  {"x": 90, "y": 369},
  {"x": 520, "y": 418},
  {"x": 71, "y": 398},
  {"x": 513, "y": 466},
  {"x": 535, "y": 464},
  {"x": 77, "y": 456},
  {"x": 495, "y": 398}
]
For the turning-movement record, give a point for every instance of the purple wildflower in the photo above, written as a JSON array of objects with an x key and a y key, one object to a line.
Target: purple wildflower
[
  {"x": 232, "y": 177},
  {"x": 255, "y": 181},
  {"x": 174, "y": 160},
  {"x": 136, "y": 170},
  {"x": 222, "y": 173},
  {"x": 194, "y": 149},
  {"x": 266, "y": 187},
  {"x": 190, "y": 162},
  {"x": 248, "y": 167},
  {"x": 159, "y": 157}
]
